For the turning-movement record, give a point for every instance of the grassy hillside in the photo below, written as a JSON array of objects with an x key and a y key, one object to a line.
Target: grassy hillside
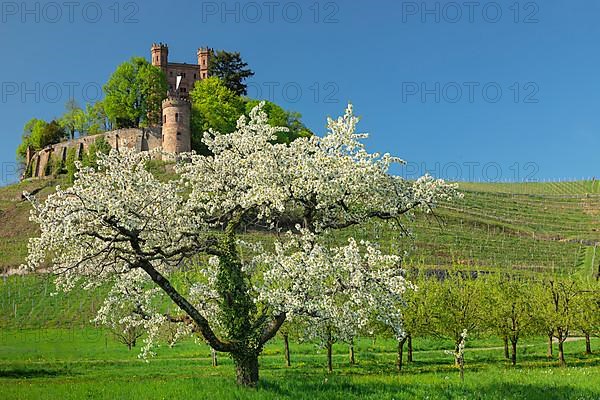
[
  {"x": 520, "y": 226},
  {"x": 554, "y": 228},
  {"x": 29, "y": 302},
  {"x": 528, "y": 226},
  {"x": 15, "y": 227},
  {"x": 567, "y": 188}
]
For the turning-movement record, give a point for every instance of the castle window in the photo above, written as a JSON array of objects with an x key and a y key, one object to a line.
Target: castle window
[
  {"x": 165, "y": 119},
  {"x": 194, "y": 76},
  {"x": 178, "y": 135},
  {"x": 184, "y": 74},
  {"x": 176, "y": 117},
  {"x": 170, "y": 73}
]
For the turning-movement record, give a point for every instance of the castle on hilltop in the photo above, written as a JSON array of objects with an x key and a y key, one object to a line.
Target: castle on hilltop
[
  {"x": 189, "y": 73},
  {"x": 173, "y": 134}
]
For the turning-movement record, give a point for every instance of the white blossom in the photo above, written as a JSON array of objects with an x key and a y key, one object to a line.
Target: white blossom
[{"x": 120, "y": 225}]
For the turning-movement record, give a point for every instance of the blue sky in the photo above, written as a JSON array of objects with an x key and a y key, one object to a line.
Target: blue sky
[{"x": 465, "y": 90}]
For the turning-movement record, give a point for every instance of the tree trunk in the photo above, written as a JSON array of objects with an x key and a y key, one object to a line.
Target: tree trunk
[
  {"x": 514, "y": 351},
  {"x": 506, "y": 355},
  {"x": 549, "y": 345},
  {"x": 246, "y": 369},
  {"x": 351, "y": 355},
  {"x": 588, "y": 345},
  {"x": 400, "y": 351},
  {"x": 456, "y": 357},
  {"x": 410, "y": 349},
  {"x": 461, "y": 363},
  {"x": 286, "y": 350},
  {"x": 215, "y": 361},
  {"x": 561, "y": 353},
  {"x": 329, "y": 356}
]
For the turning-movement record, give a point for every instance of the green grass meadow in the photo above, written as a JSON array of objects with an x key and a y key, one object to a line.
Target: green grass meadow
[{"x": 87, "y": 363}]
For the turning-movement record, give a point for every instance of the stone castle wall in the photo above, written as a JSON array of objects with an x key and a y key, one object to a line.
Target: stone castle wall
[
  {"x": 133, "y": 138},
  {"x": 174, "y": 135}
]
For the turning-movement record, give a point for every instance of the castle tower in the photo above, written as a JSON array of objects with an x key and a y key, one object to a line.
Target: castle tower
[
  {"x": 176, "y": 133},
  {"x": 160, "y": 56},
  {"x": 204, "y": 55}
]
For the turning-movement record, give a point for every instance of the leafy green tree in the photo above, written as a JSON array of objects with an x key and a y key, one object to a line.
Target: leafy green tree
[
  {"x": 92, "y": 120},
  {"x": 97, "y": 115},
  {"x": 50, "y": 133},
  {"x": 134, "y": 94},
  {"x": 31, "y": 137},
  {"x": 289, "y": 329},
  {"x": 38, "y": 134},
  {"x": 90, "y": 159},
  {"x": 72, "y": 120},
  {"x": 587, "y": 312},
  {"x": 70, "y": 164},
  {"x": 214, "y": 106},
  {"x": 89, "y": 121},
  {"x": 415, "y": 316},
  {"x": 231, "y": 69},
  {"x": 454, "y": 304},
  {"x": 509, "y": 308},
  {"x": 280, "y": 117},
  {"x": 556, "y": 309},
  {"x": 56, "y": 165}
]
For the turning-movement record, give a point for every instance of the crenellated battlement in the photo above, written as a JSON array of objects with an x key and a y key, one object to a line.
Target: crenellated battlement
[
  {"x": 159, "y": 45},
  {"x": 175, "y": 98}
]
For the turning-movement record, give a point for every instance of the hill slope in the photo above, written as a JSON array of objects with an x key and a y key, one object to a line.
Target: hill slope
[
  {"x": 526, "y": 226},
  {"x": 532, "y": 226},
  {"x": 15, "y": 227}
]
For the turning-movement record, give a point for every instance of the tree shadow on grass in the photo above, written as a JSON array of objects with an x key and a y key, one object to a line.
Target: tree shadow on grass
[
  {"x": 22, "y": 373},
  {"x": 531, "y": 392},
  {"x": 312, "y": 387},
  {"x": 341, "y": 388},
  {"x": 375, "y": 365}
]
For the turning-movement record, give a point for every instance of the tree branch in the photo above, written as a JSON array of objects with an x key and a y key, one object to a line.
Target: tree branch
[
  {"x": 186, "y": 306},
  {"x": 271, "y": 330}
]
